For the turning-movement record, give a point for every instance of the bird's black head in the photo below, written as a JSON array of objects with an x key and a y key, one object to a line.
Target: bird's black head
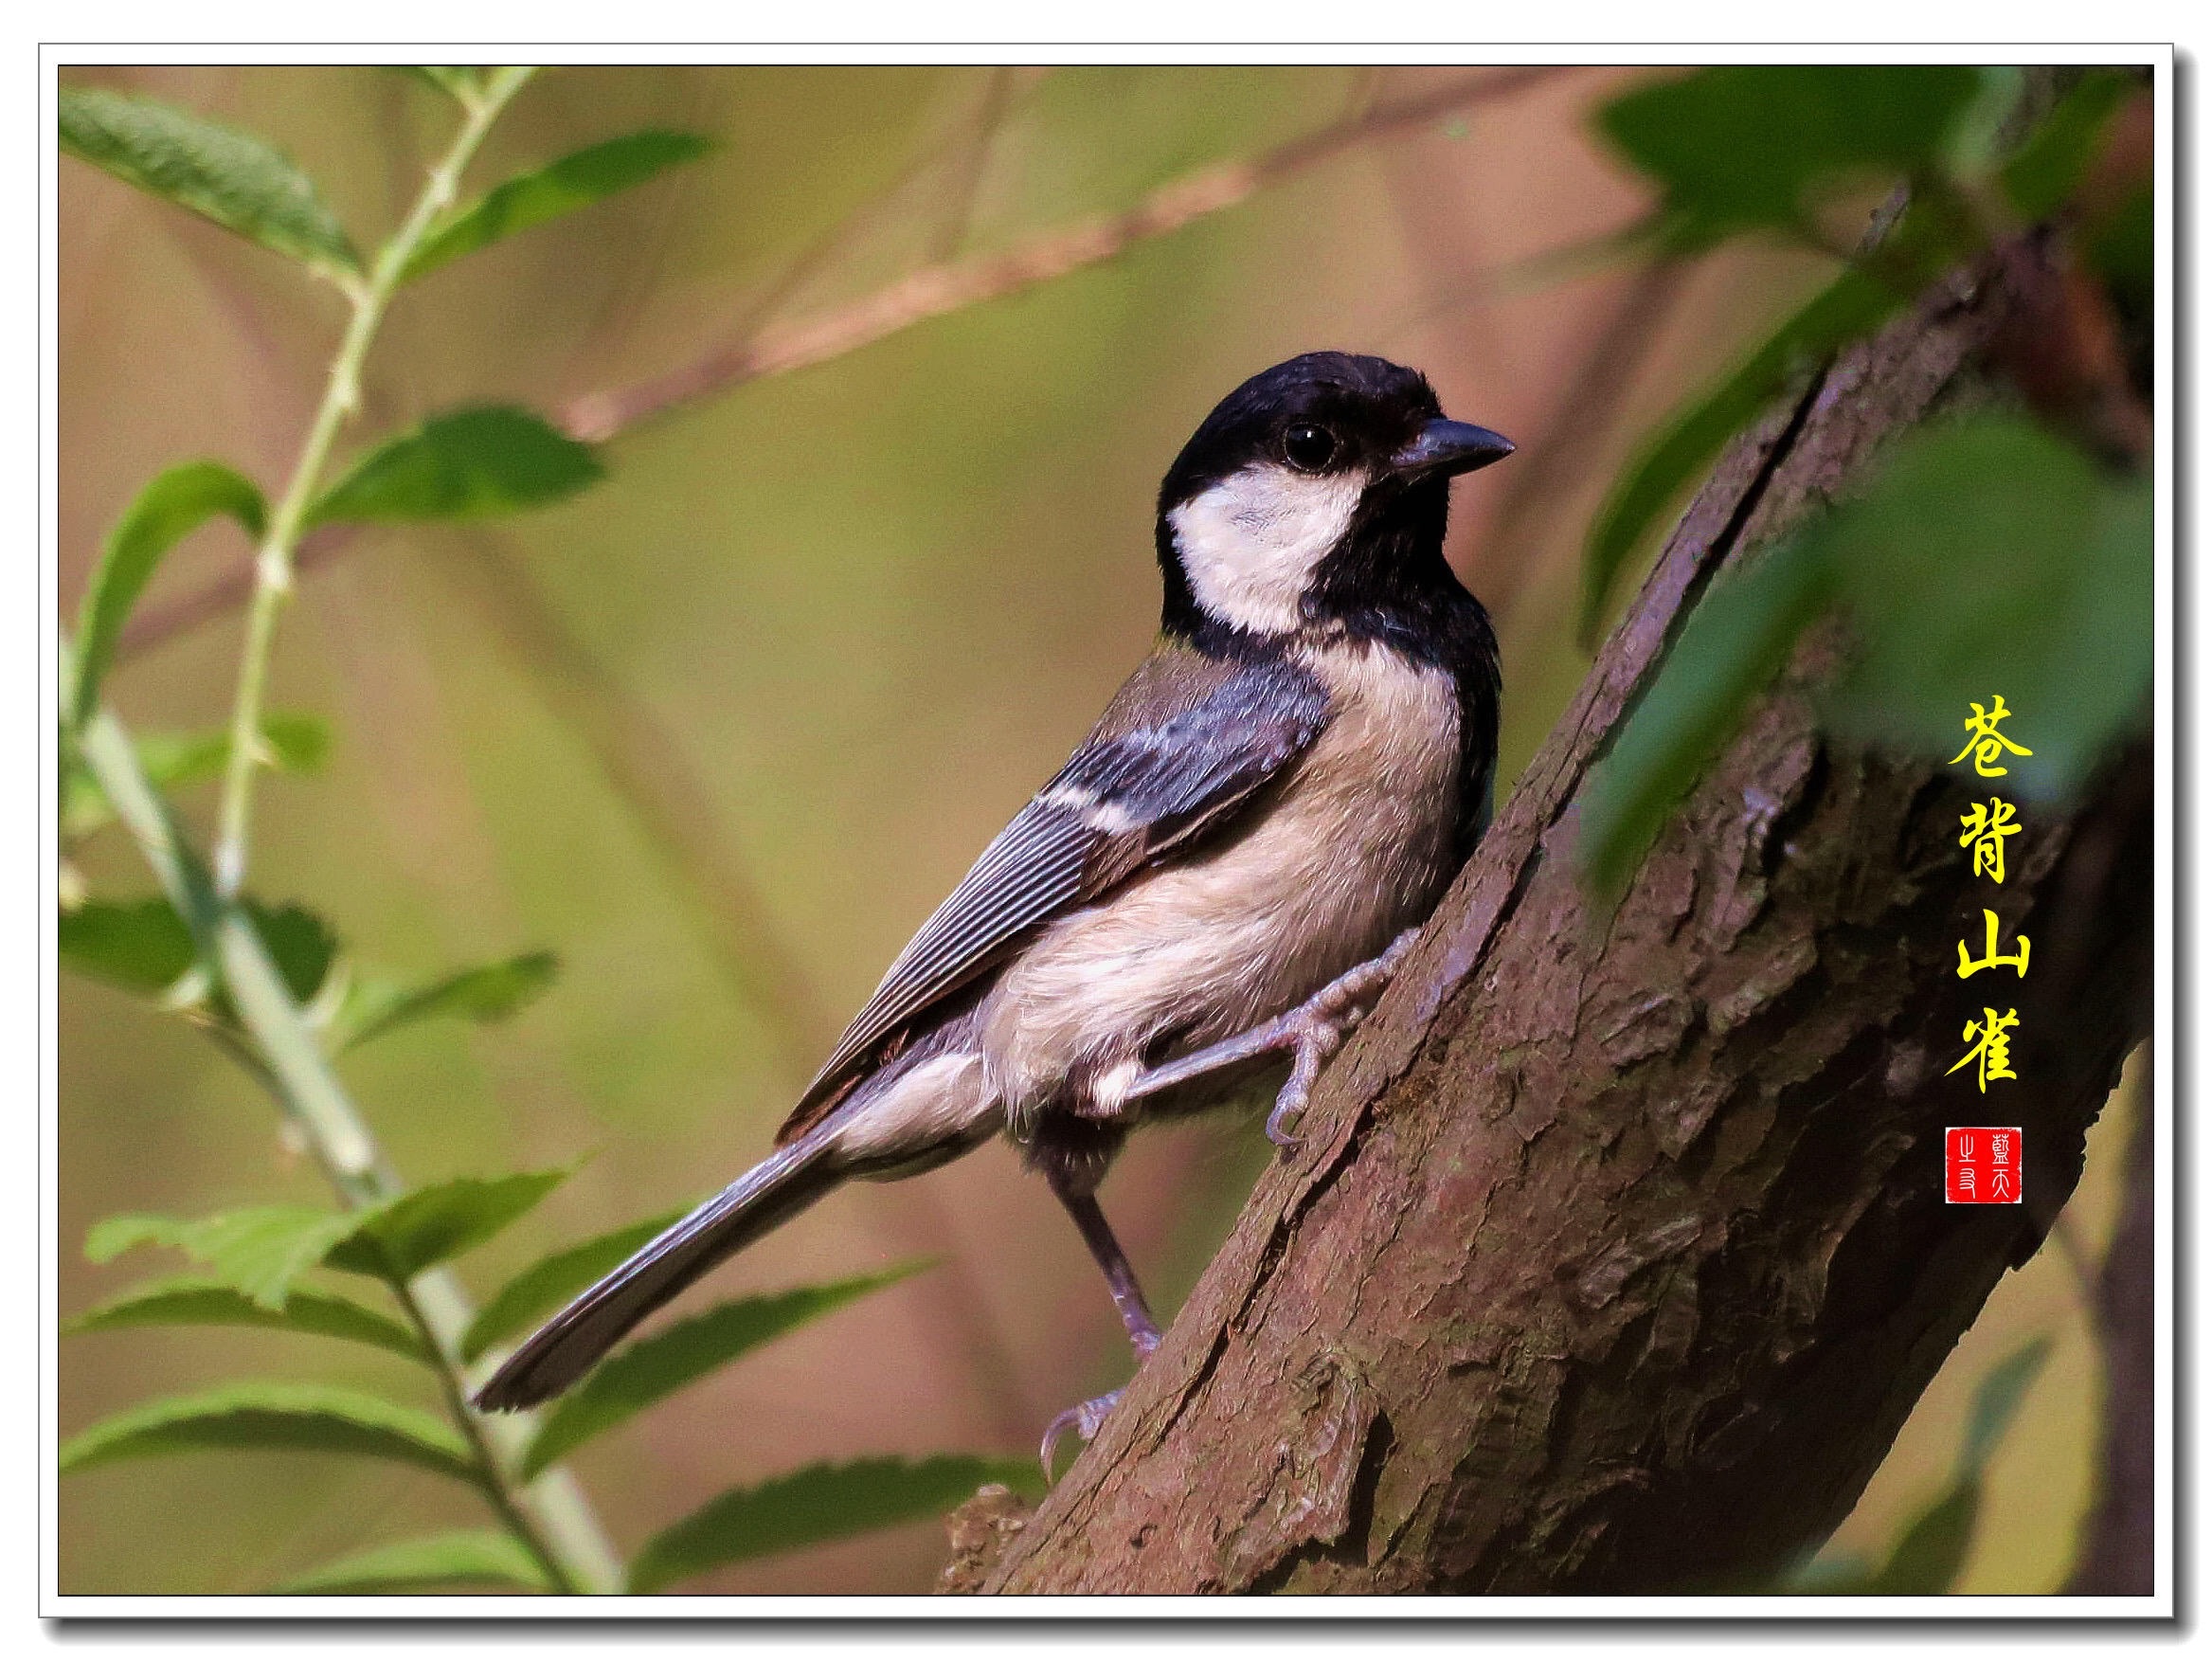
[{"x": 1315, "y": 493}]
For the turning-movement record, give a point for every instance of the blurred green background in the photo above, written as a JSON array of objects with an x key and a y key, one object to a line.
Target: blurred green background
[{"x": 840, "y": 624}]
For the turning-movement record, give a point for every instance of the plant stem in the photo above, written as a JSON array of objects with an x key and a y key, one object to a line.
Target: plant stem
[
  {"x": 491, "y": 1475},
  {"x": 341, "y": 398},
  {"x": 551, "y": 1515}
]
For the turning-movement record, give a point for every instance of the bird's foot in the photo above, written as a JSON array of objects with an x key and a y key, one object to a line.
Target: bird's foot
[
  {"x": 1082, "y": 1418},
  {"x": 1317, "y": 1029},
  {"x": 1310, "y": 1033}
]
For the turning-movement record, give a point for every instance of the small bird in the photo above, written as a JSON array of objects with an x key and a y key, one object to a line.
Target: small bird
[{"x": 1222, "y": 878}]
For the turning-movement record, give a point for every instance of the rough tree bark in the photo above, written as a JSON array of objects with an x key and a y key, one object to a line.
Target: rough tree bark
[{"x": 1616, "y": 1253}]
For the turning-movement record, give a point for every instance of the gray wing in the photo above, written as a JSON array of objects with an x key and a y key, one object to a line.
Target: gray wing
[{"x": 1185, "y": 742}]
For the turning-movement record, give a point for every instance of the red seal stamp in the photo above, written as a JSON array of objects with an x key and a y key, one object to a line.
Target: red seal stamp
[{"x": 1981, "y": 1164}]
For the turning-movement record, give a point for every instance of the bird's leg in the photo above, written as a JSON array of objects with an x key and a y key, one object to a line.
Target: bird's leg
[
  {"x": 1310, "y": 1033},
  {"x": 1084, "y": 1418}
]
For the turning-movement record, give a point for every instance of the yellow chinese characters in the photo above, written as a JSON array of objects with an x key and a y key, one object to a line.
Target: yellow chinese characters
[
  {"x": 1984, "y": 742},
  {"x": 1994, "y": 1048},
  {"x": 1990, "y": 958},
  {"x": 1983, "y": 829}
]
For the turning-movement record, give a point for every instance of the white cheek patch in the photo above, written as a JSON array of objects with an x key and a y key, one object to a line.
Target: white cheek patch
[{"x": 1250, "y": 543}]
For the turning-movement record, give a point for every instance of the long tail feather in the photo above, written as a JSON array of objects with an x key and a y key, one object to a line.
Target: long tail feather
[{"x": 774, "y": 1191}]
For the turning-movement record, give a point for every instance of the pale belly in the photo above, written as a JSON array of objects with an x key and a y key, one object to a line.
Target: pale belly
[{"x": 1356, "y": 849}]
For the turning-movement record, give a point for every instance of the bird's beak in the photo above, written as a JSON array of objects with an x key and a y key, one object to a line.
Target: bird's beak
[{"x": 1446, "y": 447}]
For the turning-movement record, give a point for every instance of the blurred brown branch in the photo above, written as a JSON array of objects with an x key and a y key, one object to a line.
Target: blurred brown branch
[
  {"x": 936, "y": 290},
  {"x": 968, "y": 165},
  {"x": 763, "y": 348}
]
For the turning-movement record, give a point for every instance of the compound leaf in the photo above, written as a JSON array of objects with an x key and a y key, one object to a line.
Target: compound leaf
[
  {"x": 258, "y": 1414},
  {"x": 197, "y": 1302},
  {"x": 467, "y": 1557},
  {"x": 554, "y": 1279},
  {"x": 258, "y": 1249},
  {"x": 818, "y": 1502},
  {"x": 426, "y": 1226},
  {"x": 661, "y": 1364}
]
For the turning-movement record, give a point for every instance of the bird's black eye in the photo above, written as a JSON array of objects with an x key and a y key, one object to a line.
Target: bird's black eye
[{"x": 1309, "y": 449}]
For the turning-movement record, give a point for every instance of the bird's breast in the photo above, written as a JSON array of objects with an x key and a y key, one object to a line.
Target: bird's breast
[{"x": 1319, "y": 874}]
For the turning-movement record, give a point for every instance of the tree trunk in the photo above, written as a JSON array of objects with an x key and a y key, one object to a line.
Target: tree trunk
[{"x": 1617, "y": 1251}]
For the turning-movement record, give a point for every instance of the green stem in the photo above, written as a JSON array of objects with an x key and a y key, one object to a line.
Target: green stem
[
  {"x": 492, "y": 1472},
  {"x": 273, "y": 563},
  {"x": 558, "y": 1521}
]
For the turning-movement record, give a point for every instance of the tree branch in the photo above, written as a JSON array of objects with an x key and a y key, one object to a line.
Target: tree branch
[
  {"x": 938, "y": 289},
  {"x": 763, "y": 348},
  {"x": 1617, "y": 1252}
]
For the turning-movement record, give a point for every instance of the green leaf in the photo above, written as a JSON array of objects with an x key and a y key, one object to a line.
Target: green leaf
[
  {"x": 257, "y": 1414},
  {"x": 2042, "y": 177},
  {"x": 290, "y": 743},
  {"x": 301, "y": 944},
  {"x": 663, "y": 1362},
  {"x": 821, "y": 1502},
  {"x": 142, "y": 946},
  {"x": 1990, "y": 557},
  {"x": 574, "y": 181},
  {"x": 195, "y": 1302},
  {"x": 403, "y": 1237},
  {"x": 1743, "y": 147},
  {"x": 1926, "y": 1560},
  {"x": 463, "y": 465},
  {"x": 462, "y": 82},
  {"x": 260, "y": 1249},
  {"x": 2123, "y": 249},
  {"x": 169, "y": 509},
  {"x": 1733, "y": 643},
  {"x": 1997, "y": 1401},
  {"x": 487, "y": 993},
  {"x": 1980, "y": 132},
  {"x": 1929, "y": 1555},
  {"x": 467, "y": 1557},
  {"x": 233, "y": 178},
  {"x": 553, "y": 1280},
  {"x": 1852, "y": 306}
]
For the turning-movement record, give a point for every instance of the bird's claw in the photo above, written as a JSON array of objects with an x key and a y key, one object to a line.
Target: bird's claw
[
  {"x": 1317, "y": 1030},
  {"x": 1082, "y": 1418}
]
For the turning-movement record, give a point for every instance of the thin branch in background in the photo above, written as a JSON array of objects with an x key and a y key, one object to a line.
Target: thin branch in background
[
  {"x": 968, "y": 165},
  {"x": 761, "y": 348},
  {"x": 937, "y": 290},
  {"x": 154, "y": 623},
  {"x": 1581, "y": 419},
  {"x": 646, "y": 250},
  {"x": 1366, "y": 87}
]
